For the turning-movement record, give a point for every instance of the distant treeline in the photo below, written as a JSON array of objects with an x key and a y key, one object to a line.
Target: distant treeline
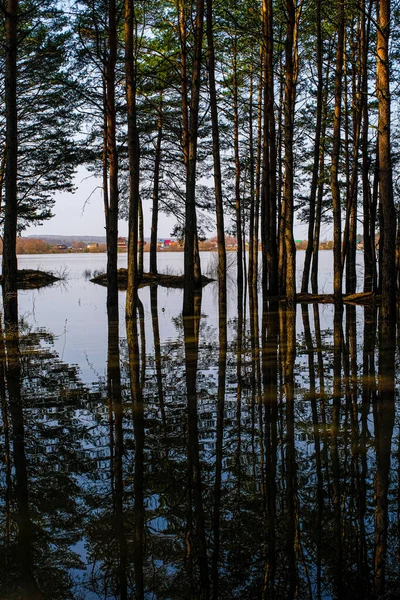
[{"x": 38, "y": 246}]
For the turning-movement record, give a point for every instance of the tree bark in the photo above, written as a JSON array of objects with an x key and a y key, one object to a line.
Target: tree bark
[
  {"x": 293, "y": 15},
  {"x": 11, "y": 209},
  {"x": 268, "y": 186},
  {"x": 368, "y": 218},
  {"x": 190, "y": 205},
  {"x": 317, "y": 150},
  {"x": 156, "y": 187},
  {"x": 388, "y": 232},
  {"x": 219, "y": 208},
  {"x": 133, "y": 158},
  {"x": 337, "y": 224},
  {"x": 112, "y": 230},
  {"x": 238, "y": 207}
]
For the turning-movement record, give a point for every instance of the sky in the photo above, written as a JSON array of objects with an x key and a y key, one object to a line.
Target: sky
[{"x": 82, "y": 214}]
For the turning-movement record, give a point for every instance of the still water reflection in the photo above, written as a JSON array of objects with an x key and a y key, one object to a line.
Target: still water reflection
[{"x": 246, "y": 453}]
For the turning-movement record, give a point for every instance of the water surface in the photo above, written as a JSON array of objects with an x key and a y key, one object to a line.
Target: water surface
[{"x": 251, "y": 452}]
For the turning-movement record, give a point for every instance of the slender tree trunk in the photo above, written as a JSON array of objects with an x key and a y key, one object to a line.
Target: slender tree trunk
[
  {"x": 112, "y": 231},
  {"x": 350, "y": 234},
  {"x": 219, "y": 207},
  {"x": 238, "y": 208},
  {"x": 258, "y": 168},
  {"x": 290, "y": 97},
  {"x": 11, "y": 210},
  {"x": 190, "y": 205},
  {"x": 317, "y": 151},
  {"x": 388, "y": 247},
  {"x": 320, "y": 191},
  {"x": 133, "y": 157},
  {"x": 268, "y": 188},
  {"x": 369, "y": 240},
  {"x": 156, "y": 186},
  {"x": 140, "y": 240},
  {"x": 251, "y": 182},
  {"x": 337, "y": 224}
]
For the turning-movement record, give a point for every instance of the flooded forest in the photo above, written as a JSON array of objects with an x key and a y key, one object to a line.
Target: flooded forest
[{"x": 192, "y": 424}]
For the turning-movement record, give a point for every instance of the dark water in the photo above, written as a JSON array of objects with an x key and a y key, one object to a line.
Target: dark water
[{"x": 251, "y": 452}]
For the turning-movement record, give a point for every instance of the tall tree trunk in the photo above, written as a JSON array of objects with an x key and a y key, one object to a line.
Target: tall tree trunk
[
  {"x": 258, "y": 167},
  {"x": 238, "y": 208},
  {"x": 337, "y": 224},
  {"x": 369, "y": 236},
  {"x": 11, "y": 213},
  {"x": 320, "y": 190},
  {"x": 133, "y": 157},
  {"x": 293, "y": 15},
  {"x": 388, "y": 232},
  {"x": 251, "y": 181},
  {"x": 350, "y": 233},
  {"x": 140, "y": 240},
  {"x": 317, "y": 150},
  {"x": 219, "y": 207},
  {"x": 156, "y": 187},
  {"x": 112, "y": 230},
  {"x": 190, "y": 204},
  {"x": 268, "y": 188}
]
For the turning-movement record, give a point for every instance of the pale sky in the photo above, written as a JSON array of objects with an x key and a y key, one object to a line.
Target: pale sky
[{"x": 82, "y": 213}]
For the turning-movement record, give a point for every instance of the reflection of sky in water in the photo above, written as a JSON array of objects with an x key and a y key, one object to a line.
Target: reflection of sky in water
[{"x": 75, "y": 310}]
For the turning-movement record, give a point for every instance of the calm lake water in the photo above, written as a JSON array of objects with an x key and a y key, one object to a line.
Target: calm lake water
[{"x": 252, "y": 453}]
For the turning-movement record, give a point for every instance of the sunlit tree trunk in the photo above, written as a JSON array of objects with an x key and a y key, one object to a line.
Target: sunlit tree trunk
[
  {"x": 350, "y": 231},
  {"x": 219, "y": 208},
  {"x": 259, "y": 159},
  {"x": 192, "y": 278},
  {"x": 268, "y": 186},
  {"x": 112, "y": 230},
  {"x": 320, "y": 189},
  {"x": 293, "y": 15},
  {"x": 368, "y": 218},
  {"x": 388, "y": 232},
  {"x": 133, "y": 158},
  {"x": 337, "y": 223},
  {"x": 10, "y": 218},
  {"x": 251, "y": 181},
  {"x": 238, "y": 207},
  {"x": 317, "y": 150},
  {"x": 156, "y": 187},
  {"x": 140, "y": 240}
]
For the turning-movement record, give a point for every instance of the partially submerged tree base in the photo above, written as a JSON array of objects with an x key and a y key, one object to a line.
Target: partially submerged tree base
[
  {"x": 172, "y": 281},
  {"x": 29, "y": 279},
  {"x": 362, "y": 298}
]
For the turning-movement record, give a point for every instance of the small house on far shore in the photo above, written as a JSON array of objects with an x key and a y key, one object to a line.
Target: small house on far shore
[{"x": 122, "y": 244}]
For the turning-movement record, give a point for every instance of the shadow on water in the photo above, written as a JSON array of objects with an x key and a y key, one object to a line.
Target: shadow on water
[{"x": 252, "y": 457}]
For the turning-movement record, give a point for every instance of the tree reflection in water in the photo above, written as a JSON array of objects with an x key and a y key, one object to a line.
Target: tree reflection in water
[{"x": 253, "y": 458}]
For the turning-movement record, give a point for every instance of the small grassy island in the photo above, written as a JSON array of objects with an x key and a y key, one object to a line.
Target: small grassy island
[
  {"x": 29, "y": 279},
  {"x": 163, "y": 279}
]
